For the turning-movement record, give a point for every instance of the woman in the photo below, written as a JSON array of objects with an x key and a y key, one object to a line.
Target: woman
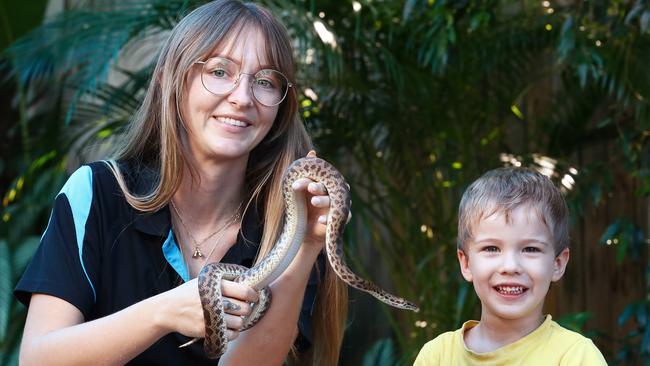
[{"x": 198, "y": 176}]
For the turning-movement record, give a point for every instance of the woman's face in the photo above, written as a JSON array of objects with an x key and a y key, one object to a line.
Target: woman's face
[{"x": 229, "y": 126}]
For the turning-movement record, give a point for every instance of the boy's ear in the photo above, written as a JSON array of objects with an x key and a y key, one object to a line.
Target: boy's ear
[
  {"x": 463, "y": 260},
  {"x": 559, "y": 264}
]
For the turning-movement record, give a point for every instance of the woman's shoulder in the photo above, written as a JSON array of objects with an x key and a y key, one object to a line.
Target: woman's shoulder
[
  {"x": 84, "y": 180},
  {"x": 108, "y": 176},
  {"x": 98, "y": 182}
]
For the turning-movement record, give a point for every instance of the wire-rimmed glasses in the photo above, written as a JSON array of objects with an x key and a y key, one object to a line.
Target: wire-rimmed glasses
[{"x": 220, "y": 76}]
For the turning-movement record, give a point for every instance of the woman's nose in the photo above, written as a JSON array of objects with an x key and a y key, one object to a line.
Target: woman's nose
[{"x": 242, "y": 94}]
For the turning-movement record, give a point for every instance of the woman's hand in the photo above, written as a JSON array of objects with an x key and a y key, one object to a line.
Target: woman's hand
[
  {"x": 318, "y": 204},
  {"x": 185, "y": 312},
  {"x": 236, "y": 300}
]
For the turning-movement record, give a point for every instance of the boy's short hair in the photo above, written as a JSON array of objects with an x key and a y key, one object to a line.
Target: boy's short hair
[{"x": 504, "y": 189}]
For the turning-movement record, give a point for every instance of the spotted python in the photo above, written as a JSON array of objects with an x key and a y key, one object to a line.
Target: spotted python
[{"x": 271, "y": 267}]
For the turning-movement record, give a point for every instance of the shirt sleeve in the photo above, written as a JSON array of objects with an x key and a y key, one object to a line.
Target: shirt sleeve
[
  {"x": 583, "y": 353},
  {"x": 304, "y": 340},
  {"x": 66, "y": 263}
]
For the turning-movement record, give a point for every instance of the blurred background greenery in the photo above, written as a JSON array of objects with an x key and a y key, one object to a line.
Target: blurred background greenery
[{"x": 412, "y": 100}]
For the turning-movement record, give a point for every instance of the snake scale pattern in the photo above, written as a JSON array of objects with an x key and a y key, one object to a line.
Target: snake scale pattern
[{"x": 268, "y": 269}]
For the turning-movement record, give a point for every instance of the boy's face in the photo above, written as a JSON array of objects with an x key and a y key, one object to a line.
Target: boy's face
[{"x": 512, "y": 264}]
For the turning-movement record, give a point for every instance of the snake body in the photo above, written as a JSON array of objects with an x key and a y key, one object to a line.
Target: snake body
[{"x": 286, "y": 247}]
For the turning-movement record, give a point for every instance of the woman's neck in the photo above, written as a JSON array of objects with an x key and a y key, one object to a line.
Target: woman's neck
[
  {"x": 494, "y": 332},
  {"x": 214, "y": 194}
]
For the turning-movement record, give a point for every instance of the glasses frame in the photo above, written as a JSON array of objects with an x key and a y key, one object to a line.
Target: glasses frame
[{"x": 250, "y": 83}]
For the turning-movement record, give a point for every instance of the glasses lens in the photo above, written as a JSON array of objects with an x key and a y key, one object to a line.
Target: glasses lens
[
  {"x": 270, "y": 87},
  {"x": 219, "y": 75}
]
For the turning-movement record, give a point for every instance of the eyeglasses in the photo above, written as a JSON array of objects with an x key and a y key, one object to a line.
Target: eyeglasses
[{"x": 220, "y": 76}]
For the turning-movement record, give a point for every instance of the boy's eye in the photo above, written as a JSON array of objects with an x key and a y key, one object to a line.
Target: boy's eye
[
  {"x": 490, "y": 249},
  {"x": 532, "y": 250}
]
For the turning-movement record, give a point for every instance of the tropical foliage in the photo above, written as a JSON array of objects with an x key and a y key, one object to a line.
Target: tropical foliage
[{"x": 412, "y": 100}]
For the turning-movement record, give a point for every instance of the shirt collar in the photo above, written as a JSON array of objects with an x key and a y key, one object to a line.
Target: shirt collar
[{"x": 141, "y": 180}]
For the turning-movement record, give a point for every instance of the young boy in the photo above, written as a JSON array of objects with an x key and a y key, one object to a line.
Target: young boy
[{"x": 513, "y": 241}]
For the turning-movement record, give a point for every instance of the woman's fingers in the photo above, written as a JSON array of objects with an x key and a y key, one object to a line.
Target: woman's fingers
[
  {"x": 236, "y": 307},
  {"x": 234, "y": 322},
  {"x": 232, "y": 334},
  {"x": 238, "y": 291},
  {"x": 317, "y": 189}
]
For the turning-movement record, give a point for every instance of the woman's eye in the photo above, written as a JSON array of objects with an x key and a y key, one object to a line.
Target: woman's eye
[
  {"x": 264, "y": 83},
  {"x": 219, "y": 73}
]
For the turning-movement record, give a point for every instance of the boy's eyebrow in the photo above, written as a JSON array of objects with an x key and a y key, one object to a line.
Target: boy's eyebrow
[
  {"x": 534, "y": 240},
  {"x": 488, "y": 240},
  {"x": 523, "y": 241}
]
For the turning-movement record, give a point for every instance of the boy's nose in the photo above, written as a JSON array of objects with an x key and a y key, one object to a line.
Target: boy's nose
[{"x": 510, "y": 263}]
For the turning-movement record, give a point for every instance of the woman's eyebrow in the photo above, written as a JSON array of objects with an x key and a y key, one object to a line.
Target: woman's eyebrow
[
  {"x": 261, "y": 66},
  {"x": 227, "y": 58}
]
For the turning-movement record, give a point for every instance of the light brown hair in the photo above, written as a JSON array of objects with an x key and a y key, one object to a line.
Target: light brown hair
[
  {"x": 156, "y": 138},
  {"x": 502, "y": 190}
]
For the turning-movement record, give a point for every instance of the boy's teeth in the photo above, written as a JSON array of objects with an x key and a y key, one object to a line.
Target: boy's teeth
[
  {"x": 510, "y": 290},
  {"x": 232, "y": 122}
]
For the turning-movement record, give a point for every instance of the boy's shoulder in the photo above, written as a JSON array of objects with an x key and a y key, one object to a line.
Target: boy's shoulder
[
  {"x": 443, "y": 340},
  {"x": 560, "y": 334},
  {"x": 577, "y": 347},
  {"x": 440, "y": 347}
]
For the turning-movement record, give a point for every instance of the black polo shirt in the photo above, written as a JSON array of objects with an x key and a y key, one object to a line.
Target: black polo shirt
[{"x": 101, "y": 255}]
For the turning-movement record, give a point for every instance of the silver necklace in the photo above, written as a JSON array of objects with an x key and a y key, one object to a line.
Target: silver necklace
[{"x": 198, "y": 254}]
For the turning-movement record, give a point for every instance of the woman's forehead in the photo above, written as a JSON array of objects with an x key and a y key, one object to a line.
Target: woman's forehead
[{"x": 245, "y": 46}]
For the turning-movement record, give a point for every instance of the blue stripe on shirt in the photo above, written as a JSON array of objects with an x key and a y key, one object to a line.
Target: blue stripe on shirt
[{"x": 79, "y": 192}]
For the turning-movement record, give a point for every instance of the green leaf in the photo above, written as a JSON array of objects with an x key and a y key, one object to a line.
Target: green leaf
[
  {"x": 575, "y": 321},
  {"x": 23, "y": 254},
  {"x": 611, "y": 231},
  {"x": 583, "y": 71},
  {"x": 627, "y": 313},
  {"x": 460, "y": 301},
  {"x": 644, "y": 21},
  {"x": 6, "y": 293}
]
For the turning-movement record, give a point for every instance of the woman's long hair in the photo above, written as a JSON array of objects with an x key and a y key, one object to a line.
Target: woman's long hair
[{"x": 157, "y": 138}]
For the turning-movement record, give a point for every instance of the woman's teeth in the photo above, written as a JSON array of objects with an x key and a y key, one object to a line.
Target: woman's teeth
[{"x": 232, "y": 122}]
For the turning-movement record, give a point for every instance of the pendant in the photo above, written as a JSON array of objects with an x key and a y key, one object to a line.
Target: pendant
[{"x": 197, "y": 253}]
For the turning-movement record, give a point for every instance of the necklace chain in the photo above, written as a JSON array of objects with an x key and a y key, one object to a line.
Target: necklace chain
[{"x": 197, "y": 254}]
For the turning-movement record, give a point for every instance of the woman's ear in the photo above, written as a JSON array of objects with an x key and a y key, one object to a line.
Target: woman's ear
[
  {"x": 463, "y": 261},
  {"x": 559, "y": 264}
]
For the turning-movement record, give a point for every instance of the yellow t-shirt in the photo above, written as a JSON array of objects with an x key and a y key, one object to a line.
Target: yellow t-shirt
[{"x": 548, "y": 345}]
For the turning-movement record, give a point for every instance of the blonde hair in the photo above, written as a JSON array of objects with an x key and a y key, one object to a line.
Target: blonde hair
[
  {"x": 156, "y": 138},
  {"x": 500, "y": 191}
]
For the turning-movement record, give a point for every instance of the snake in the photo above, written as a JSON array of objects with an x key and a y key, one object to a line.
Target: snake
[{"x": 285, "y": 249}]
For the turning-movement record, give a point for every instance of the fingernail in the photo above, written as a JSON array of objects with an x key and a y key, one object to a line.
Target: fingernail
[
  {"x": 295, "y": 185},
  {"x": 322, "y": 219},
  {"x": 316, "y": 200}
]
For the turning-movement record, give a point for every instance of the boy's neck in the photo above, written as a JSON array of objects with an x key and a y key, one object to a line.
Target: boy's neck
[{"x": 494, "y": 332}]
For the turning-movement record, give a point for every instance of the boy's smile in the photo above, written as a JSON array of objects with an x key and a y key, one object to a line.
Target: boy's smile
[{"x": 512, "y": 264}]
